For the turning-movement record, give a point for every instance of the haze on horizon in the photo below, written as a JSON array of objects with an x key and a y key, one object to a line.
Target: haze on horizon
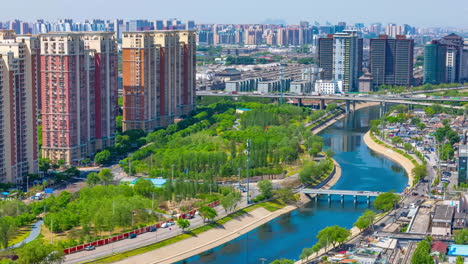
[{"x": 421, "y": 13}]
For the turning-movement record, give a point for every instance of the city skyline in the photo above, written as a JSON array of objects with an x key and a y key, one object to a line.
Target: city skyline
[{"x": 257, "y": 12}]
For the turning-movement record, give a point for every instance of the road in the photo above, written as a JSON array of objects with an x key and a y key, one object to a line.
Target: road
[
  {"x": 140, "y": 241},
  {"x": 146, "y": 238},
  {"x": 400, "y": 99}
]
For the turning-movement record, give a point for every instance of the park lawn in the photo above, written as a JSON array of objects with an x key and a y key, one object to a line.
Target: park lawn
[{"x": 270, "y": 206}]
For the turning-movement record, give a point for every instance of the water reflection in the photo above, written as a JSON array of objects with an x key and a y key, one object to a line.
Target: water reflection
[{"x": 287, "y": 235}]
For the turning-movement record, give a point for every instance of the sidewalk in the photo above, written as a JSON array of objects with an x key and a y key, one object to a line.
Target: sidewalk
[{"x": 209, "y": 239}]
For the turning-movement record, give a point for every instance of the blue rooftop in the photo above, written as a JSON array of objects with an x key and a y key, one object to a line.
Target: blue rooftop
[
  {"x": 458, "y": 250},
  {"x": 158, "y": 182},
  {"x": 243, "y": 109}
]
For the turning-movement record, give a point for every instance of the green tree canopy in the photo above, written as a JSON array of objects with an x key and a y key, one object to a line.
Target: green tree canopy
[
  {"x": 106, "y": 176},
  {"x": 183, "y": 224},
  {"x": 461, "y": 236},
  {"x": 208, "y": 213},
  {"x": 333, "y": 235},
  {"x": 7, "y": 229},
  {"x": 385, "y": 201},
  {"x": 266, "y": 188},
  {"x": 92, "y": 179},
  {"x": 422, "y": 252},
  {"x": 419, "y": 172},
  {"x": 144, "y": 187},
  {"x": 282, "y": 261},
  {"x": 102, "y": 157},
  {"x": 39, "y": 252},
  {"x": 365, "y": 220}
]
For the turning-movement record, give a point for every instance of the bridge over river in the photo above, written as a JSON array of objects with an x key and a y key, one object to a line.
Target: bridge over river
[{"x": 341, "y": 193}]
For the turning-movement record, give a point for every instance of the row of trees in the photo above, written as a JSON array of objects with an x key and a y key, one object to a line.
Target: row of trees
[
  {"x": 313, "y": 172},
  {"x": 213, "y": 147}
]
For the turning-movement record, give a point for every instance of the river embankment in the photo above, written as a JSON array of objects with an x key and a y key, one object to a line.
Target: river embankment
[{"x": 392, "y": 155}]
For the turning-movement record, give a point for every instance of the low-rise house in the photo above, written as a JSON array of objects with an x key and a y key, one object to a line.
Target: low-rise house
[
  {"x": 442, "y": 220},
  {"x": 457, "y": 250},
  {"x": 459, "y": 220},
  {"x": 439, "y": 247}
]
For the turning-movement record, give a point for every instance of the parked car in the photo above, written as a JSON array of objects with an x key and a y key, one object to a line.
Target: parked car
[
  {"x": 189, "y": 216},
  {"x": 171, "y": 223},
  {"x": 89, "y": 248},
  {"x": 165, "y": 225}
]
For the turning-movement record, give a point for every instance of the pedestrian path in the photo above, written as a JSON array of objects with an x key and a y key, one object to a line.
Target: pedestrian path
[{"x": 35, "y": 231}]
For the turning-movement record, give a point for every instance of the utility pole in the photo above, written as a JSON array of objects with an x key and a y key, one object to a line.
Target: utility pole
[
  {"x": 239, "y": 169},
  {"x": 152, "y": 203},
  {"x": 130, "y": 166},
  {"x": 248, "y": 168},
  {"x": 172, "y": 174}
]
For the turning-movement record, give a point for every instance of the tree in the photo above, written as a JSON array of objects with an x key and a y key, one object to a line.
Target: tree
[
  {"x": 385, "y": 201},
  {"x": 102, "y": 157},
  {"x": 208, "y": 213},
  {"x": 183, "y": 224},
  {"x": 106, "y": 176},
  {"x": 282, "y": 261},
  {"x": 419, "y": 172},
  {"x": 461, "y": 236},
  {"x": 44, "y": 164},
  {"x": 7, "y": 229},
  {"x": 329, "y": 152},
  {"x": 92, "y": 179},
  {"x": 421, "y": 126},
  {"x": 39, "y": 252},
  {"x": 285, "y": 194},
  {"x": 266, "y": 188},
  {"x": 407, "y": 147},
  {"x": 144, "y": 187},
  {"x": 60, "y": 162},
  {"x": 230, "y": 201},
  {"x": 365, "y": 220},
  {"x": 333, "y": 235},
  {"x": 305, "y": 254},
  {"x": 421, "y": 254},
  {"x": 447, "y": 152},
  {"x": 396, "y": 140},
  {"x": 331, "y": 107},
  {"x": 459, "y": 260}
]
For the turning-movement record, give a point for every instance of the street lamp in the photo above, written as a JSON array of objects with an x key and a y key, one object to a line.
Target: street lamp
[{"x": 133, "y": 213}]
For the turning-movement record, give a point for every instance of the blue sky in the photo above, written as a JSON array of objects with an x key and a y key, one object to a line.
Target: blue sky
[{"x": 415, "y": 12}]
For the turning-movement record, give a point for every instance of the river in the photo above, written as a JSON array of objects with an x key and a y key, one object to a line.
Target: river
[{"x": 286, "y": 236}]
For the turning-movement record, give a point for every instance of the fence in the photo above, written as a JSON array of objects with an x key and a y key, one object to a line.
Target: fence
[{"x": 139, "y": 231}]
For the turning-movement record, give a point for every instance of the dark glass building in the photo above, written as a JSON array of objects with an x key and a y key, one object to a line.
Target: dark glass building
[{"x": 391, "y": 61}]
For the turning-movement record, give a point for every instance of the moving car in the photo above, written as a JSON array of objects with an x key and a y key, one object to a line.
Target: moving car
[{"x": 89, "y": 248}]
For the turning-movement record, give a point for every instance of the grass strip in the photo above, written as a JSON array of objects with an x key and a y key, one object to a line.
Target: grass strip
[{"x": 271, "y": 206}]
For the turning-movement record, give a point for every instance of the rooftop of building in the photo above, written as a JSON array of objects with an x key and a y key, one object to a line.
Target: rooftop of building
[
  {"x": 443, "y": 213},
  {"x": 463, "y": 150},
  {"x": 229, "y": 72},
  {"x": 439, "y": 246},
  {"x": 458, "y": 250}
]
